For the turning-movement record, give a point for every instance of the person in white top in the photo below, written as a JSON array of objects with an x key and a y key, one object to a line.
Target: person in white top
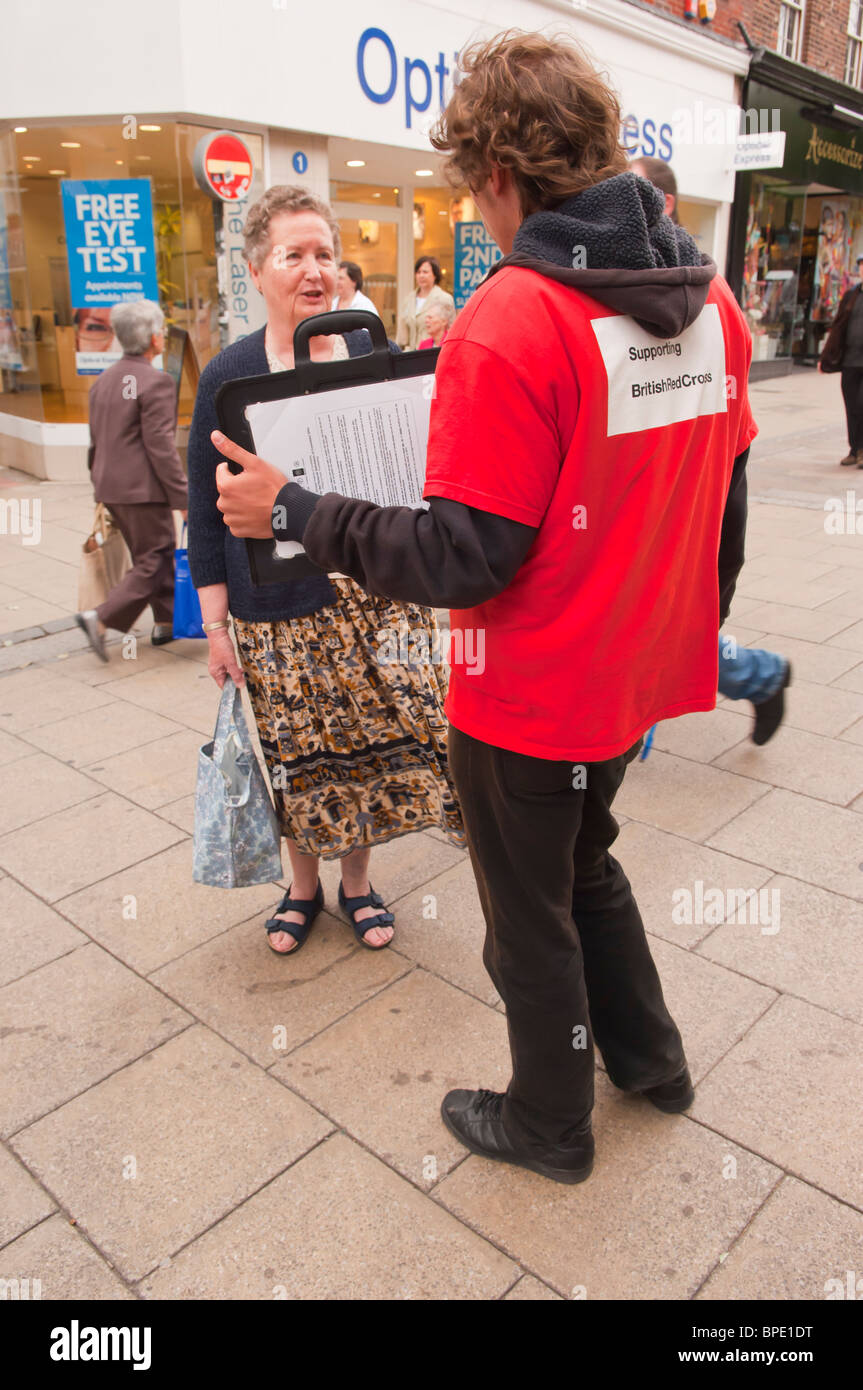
[{"x": 350, "y": 286}]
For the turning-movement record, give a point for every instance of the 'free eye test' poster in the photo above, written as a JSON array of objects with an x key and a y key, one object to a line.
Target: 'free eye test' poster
[{"x": 111, "y": 252}]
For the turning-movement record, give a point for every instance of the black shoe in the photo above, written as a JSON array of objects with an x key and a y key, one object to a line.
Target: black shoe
[
  {"x": 769, "y": 713},
  {"x": 474, "y": 1118},
  {"x": 162, "y": 633},
  {"x": 89, "y": 625},
  {"x": 672, "y": 1096}
]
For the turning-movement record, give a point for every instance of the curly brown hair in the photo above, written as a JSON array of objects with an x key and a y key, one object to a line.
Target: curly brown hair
[
  {"x": 283, "y": 197},
  {"x": 536, "y": 106}
]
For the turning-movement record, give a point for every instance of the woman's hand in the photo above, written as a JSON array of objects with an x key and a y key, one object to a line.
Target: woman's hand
[{"x": 223, "y": 658}]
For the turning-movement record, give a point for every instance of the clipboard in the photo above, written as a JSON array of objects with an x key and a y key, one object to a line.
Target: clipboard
[{"x": 234, "y": 397}]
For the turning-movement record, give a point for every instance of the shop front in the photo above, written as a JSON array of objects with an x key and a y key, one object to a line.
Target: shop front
[
  {"x": 798, "y": 224},
  {"x": 351, "y": 124}
]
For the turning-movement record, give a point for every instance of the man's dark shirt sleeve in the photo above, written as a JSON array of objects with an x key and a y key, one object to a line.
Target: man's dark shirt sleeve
[
  {"x": 733, "y": 536},
  {"x": 451, "y": 556}
]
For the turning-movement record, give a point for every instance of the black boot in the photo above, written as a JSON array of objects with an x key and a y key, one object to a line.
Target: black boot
[
  {"x": 769, "y": 713},
  {"x": 474, "y": 1118}
]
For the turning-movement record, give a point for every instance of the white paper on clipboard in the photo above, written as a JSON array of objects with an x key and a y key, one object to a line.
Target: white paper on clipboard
[{"x": 364, "y": 441}]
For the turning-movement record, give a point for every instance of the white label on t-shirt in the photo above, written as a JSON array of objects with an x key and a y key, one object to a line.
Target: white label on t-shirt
[{"x": 658, "y": 381}]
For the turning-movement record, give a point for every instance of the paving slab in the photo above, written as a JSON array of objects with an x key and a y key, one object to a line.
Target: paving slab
[
  {"x": 125, "y": 658},
  {"x": 785, "y": 1091},
  {"x": 11, "y": 749},
  {"x": 28, "y": 699},
  {"x": 337, "y": 1225},
  {"x": 816, "y": 954},
  {"x": 663, "y": 868},
  {"x": 151, "y": 913},
  {"x": 22, "y": 1201},
  {"x": 811, "y": 661},
  {"x": 801, "y": 837},
  {"x": 682, "y": 796},
  {"x": 268, "y": 1004},
  {"x": 809, "y": 624},
  {"x": 64, "y": 1263},
  {"x": 800, "y": 1246},
  {"x": 99, "y": 734},
  {"x": 827, "y": 768},
  {"x": 155, "y": 1154},
  {"x": 184, "y": 692},
  {"x": 152, "y": 773},
  {"x": 702, "y": 737},
  {"x": 31, "y": 933},
  {"x": 71, "y": 1023},
  {"x": 441, "y": 927},
  {"x": 650, "y": 1222},
  {"x": 36, "y": 787},
  {"x": 530, "y": 1290},
  {"x": 712, "y": 1008},
  {"x": 86, "y": 843},
  {"x": 382, "y": 1072}
]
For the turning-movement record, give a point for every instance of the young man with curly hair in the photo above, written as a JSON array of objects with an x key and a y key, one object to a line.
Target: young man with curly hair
[{"x": 587, "y": 504}]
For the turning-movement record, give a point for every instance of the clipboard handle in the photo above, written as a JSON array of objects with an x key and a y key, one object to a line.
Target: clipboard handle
[{"x": 341, "y": 321}]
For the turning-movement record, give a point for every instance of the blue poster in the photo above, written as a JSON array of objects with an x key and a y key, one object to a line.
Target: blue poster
[
  {"x": 111, "y": 252},
  {"x": 475, "y": 254}
]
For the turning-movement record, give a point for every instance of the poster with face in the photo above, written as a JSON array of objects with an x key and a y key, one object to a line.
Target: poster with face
[
  {"x": 831, "y": 258},
  {"x": 111, "y": 253}
]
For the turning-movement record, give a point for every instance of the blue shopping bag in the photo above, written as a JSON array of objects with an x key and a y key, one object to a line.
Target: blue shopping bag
[{"x": 187, "y": 606}]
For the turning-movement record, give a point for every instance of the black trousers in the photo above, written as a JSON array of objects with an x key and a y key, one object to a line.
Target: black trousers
[
  {"x": 852, "y": 394},
  {"x": 148, "y": 530},
  {"x": 565, "y": 945}
]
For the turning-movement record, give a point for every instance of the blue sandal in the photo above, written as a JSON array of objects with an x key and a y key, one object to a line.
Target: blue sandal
[
  {"x": 309, "y": 907},
  {"x": 361, "y": 929}
]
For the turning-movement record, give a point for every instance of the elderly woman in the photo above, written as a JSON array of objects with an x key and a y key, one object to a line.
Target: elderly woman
[
  {"x": 355, "y": 746},
  {"x": 439, "y": 320},
  {"x": 137, "y": 473},
  {"x": 428, "y": 295}
]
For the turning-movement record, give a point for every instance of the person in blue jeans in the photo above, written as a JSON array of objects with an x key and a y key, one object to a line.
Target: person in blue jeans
[{"x": 749, "y": 673}]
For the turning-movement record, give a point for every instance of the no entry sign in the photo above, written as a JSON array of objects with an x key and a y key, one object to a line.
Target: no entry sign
[{"x": 222, "y": 164}]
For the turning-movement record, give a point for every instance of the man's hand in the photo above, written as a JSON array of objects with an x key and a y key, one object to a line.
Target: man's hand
[{"x": 246, "y": 499}]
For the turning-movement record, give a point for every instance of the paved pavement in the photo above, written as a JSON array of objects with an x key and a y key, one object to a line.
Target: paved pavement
[{"x": 186, "y": 1115}]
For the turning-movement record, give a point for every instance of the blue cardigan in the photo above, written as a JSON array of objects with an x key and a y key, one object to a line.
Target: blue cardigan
[{"x": 215, "y": 556}]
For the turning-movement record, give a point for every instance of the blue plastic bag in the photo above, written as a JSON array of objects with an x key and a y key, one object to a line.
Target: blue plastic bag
[{"x": 187, "y": 605}]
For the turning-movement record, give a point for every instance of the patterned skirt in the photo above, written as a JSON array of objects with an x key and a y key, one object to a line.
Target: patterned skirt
[{"x": 351, "y": 722}]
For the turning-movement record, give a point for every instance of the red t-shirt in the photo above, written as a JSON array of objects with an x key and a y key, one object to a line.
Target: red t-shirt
[{"x": 558, "y": 412}]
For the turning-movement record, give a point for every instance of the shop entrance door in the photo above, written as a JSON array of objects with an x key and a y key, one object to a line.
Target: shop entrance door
[{"x": 371, "y": 236}]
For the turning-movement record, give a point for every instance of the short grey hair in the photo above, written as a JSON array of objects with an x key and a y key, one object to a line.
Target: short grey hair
[
  {"x": 444, "y": 310},
  {"x": 283, "y": 197},
  {"x": 135, "y": 323}
]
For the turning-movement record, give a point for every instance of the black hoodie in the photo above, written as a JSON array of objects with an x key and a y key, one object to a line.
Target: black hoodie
[{"x": 636, "y": 261}]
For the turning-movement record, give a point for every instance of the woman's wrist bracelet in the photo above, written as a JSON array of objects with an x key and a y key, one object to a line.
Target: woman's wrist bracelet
[{"x": 214, "y": 627}]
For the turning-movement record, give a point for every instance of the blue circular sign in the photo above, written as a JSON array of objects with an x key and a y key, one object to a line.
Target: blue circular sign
[{"x": 300, "y": 162}]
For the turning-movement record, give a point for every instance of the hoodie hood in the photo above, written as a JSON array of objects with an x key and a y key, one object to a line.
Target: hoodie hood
[{"x": 636, "y": 260}]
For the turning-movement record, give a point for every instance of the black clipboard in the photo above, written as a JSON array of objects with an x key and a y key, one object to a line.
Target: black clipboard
[{"x": 233, "y": 397}]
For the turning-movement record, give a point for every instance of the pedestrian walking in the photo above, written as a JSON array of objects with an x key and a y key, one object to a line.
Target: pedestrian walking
[
  {"x": 137, "y": 474},
  {"x": 581, "y": 476},
  {"x": 843, "y": 352},
  {"x": 355, "y": 745}
]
